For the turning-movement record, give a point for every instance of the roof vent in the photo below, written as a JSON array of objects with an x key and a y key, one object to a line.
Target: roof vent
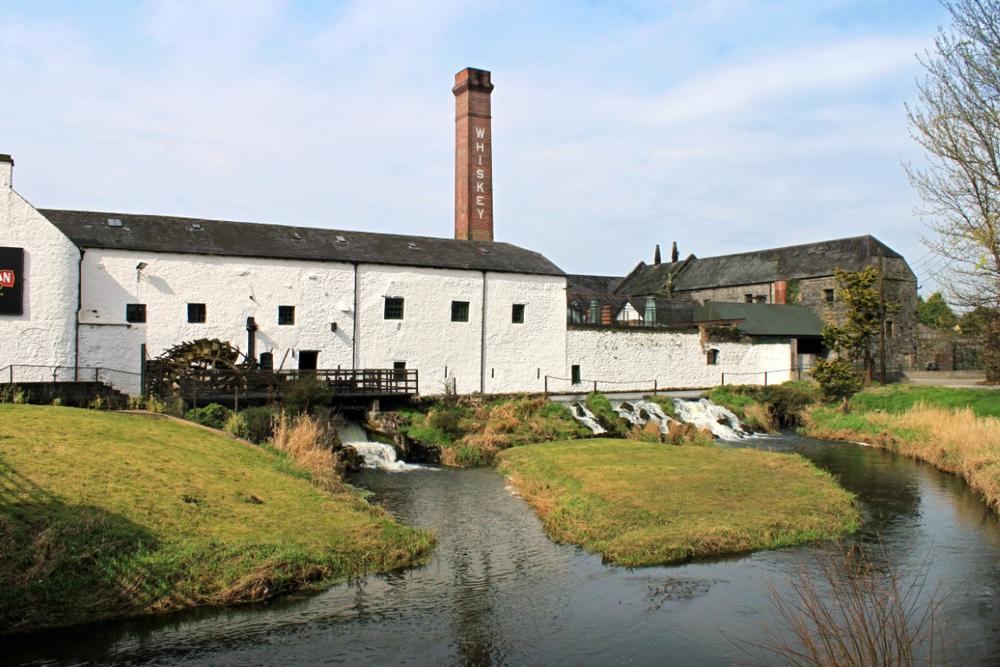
[
  {"x": 412, "y": 245},
  {"x": 485, "y": 251},
  {"x": 296, "y": 236},
  {"x": 341, "y": 239},
  {"x": 114, "y": 222},
  {"x": 195, "y": 226}
]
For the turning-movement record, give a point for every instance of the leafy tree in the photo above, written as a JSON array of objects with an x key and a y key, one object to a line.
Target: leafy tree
[
  {"x": 957, "y": 121},
  {"x": 935, "y": 312},
  {"x": 867, "y": 309}
]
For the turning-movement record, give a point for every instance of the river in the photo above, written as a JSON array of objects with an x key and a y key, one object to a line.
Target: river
[{"x": 497, "y": 591}]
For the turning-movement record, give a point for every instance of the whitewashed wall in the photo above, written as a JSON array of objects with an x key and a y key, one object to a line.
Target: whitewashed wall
[
  {"x": 425, "y": 339},
  {"x": 674, "y": 360},
  {"x": 45, "y": 334},
  {"x": 519, "y": 356},
  {"x": 232, "y": 289}
]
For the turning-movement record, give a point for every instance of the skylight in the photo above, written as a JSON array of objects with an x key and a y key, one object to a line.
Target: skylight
[{"x": 114, "y": 222}]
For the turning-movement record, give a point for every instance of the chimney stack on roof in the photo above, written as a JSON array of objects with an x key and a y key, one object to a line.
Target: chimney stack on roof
[
  {"x": 6, "y": 171},
  {"x": 674, "y": 255},
  {"x": 656, "y": 255},
  {"x": 473, "y": 156}
]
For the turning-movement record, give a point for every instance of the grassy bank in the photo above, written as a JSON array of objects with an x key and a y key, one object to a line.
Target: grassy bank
[
  {"x": 642, "y": 504},
  {"x": 948, "y": 428},
  {"x": 105, "y": 515},
  {"x": 472, "y": 430}
]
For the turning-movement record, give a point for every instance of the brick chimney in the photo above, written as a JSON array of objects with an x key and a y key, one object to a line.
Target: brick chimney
[
  {"x": 473, "y": 156},
  {"x": 6, "y": 171}
]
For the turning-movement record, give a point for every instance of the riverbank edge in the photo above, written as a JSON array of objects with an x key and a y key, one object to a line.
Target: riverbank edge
[
  {"x": 178, "y": 568},
  {"x": 953, "y": 440},
  {"x": 566, "y": 507}
]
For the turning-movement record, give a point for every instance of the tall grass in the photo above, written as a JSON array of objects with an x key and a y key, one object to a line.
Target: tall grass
[
  {"x": 953, "y": 440},
  {"x": 305, "y": 439},
  {"x": 855, "y": 611}
]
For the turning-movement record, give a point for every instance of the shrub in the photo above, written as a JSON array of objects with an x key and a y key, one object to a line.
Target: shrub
[
  {"x": 837, "y": 379},
  {"x": 764, "y": 408},
  {"x": 136, "y": 403},
  {"x": 172, "y": 405},
  {"x": 253, "y": 424},
  {"x": 57, "y": 402},
  {"x": 212, "y": 415},
  {"x": 307, "y": 393}
]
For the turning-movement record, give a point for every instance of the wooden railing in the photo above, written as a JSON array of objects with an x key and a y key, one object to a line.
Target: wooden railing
[{"x": 215, "y": 384}]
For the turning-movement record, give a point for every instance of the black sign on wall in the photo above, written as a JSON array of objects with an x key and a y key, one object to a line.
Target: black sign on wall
[{"x": 11, "y": 281}]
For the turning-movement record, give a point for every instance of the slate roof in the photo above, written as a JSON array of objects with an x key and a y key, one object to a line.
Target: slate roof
[
  {"x": 157, "y": 233},
  {"x": 764, "y": 319},
  {"x": 650, "y": 278},
  {"x": 808, "y": 260}
]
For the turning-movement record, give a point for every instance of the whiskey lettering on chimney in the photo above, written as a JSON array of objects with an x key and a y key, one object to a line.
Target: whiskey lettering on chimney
[
  {"x": 473, "y": 156},
  {"x": 11, "y": 281}
]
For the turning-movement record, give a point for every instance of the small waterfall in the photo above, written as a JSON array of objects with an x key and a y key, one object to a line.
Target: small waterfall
[
  {"x": 704, "y": 413},
  {"x": 375, "y": 454},
  {"x": 586, "y": 417},
  {"x": 655, "y": 412},
  {"x": 628, "y": 412}
]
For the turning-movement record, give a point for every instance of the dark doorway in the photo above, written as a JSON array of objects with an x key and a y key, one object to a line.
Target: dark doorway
[
  {"x": 308, "y": 359},
  {"x": 400, "y": 371}
]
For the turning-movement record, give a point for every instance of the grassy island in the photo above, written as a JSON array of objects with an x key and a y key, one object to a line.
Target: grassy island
[
  {"x": 105, "y": 515},
  {"x": 644, "y": 504}
]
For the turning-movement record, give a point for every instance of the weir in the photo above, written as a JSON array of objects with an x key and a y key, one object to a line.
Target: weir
[
  {"x": 702, "y": 413},
  {"x": 375, "y": 454}
]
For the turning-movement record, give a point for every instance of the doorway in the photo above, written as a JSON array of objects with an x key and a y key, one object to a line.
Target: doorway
[{"x": 308, "y": 360}]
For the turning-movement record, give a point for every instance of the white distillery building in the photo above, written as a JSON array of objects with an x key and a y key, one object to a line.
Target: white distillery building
[{"x": 83, "y": 290}]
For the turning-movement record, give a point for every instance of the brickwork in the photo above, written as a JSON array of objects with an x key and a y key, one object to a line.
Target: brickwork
[{"x": 473, "y": 156}]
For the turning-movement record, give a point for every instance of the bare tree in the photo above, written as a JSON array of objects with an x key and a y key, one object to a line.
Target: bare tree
[{"x": 957, "y": 121}]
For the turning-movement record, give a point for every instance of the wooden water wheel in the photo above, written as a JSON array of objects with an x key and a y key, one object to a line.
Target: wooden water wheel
[{"x": 206, "y": 365}]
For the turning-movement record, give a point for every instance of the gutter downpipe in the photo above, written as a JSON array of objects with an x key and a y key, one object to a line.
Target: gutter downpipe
[
  {"x": 354, "y": 333},
  {"x": 79, "y": 307},
  {"x": 482, "y": 344}
]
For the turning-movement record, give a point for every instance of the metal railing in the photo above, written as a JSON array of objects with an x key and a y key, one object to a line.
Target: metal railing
[
  {"x": 632, "y": 384},
  {"x": 23, "y": 373}
]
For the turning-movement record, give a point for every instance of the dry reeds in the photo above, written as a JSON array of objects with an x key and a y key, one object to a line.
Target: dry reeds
[
  {"x": 953, "y": 440},
  {"x": 856, "y": 611},
  {"x": 304, "y": 439}
]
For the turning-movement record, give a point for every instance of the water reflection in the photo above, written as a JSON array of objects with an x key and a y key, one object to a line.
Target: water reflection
[{"x": 497, "y": 591}]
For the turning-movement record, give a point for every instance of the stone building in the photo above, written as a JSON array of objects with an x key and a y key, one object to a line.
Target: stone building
[{"x": 800, "y": 274}]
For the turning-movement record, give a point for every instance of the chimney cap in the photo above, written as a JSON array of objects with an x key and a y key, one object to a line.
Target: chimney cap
[
  {"x": 472, "y": 78},
  {"x": 4, "y": 157}
]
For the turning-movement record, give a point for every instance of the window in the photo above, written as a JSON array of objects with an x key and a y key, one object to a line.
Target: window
[
  {"x": 748, "y": 298},
  {"x": 712, "y": 357},
  {"x": 575, "y": 373},
  {"x": 760, "y": 299},
  {"x": 828, "y": 296},
  {"x": 308, "y": 360},
  {"x": 286, "y": 315},
  {"x": 196, "y": 313},
  {"x": 399, "y": 368},
  {"x": 517, "y": 313},
  {"x": 888, "y": 328},
  {"x": 135, "y": 313},
  {"x": 267, "y": 361},
  {"x": 393, "y": 307},
  {"x": 459, "y": 311}
]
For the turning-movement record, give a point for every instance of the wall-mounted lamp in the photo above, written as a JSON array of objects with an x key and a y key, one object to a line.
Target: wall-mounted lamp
[
  {"x": 333, "y": 327},
  {"x": 140, "y": 266}
]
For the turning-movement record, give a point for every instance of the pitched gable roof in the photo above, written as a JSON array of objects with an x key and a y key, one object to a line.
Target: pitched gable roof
[
  {"x": 157, "y": 233},
  {"x": 764, "y": 319},
  {"x": 808, "y": 260}
]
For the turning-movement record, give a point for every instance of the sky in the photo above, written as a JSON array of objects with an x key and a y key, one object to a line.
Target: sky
[{"x": 725, "y": 126}]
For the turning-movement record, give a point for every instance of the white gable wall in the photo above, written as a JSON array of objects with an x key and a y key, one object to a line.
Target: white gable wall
[{"x": 45, "y": 334}]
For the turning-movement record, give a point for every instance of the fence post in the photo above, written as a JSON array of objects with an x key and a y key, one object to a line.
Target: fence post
[
  {"x": 142, "y": 371},
  {"x": 546, "y": 385},
  {"x": 723, "y": 379},
  {"x": 765, "y": 377},
  {"x": 595, "y": 386},
  {"x": 11, "y": 369},
  {"x": 654, "y": 386},
  {"x": 97, "y": 374}
]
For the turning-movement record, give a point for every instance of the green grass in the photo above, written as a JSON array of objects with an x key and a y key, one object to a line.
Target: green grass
[
  {"x": 615, "y": 424},
  {"x": 900, "y": 398},
  {"x": 644, "y": 504},
  {"x": 105, "y": 515}
]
